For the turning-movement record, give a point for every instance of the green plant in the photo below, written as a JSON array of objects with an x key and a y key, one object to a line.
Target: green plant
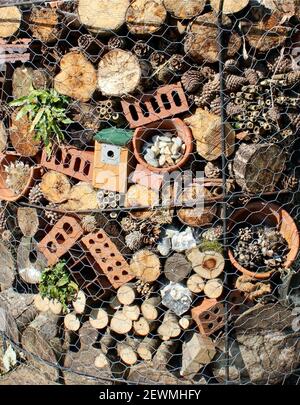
[
  {"x": 46, "y": 110},
  {"x": 56, "y": 284}
]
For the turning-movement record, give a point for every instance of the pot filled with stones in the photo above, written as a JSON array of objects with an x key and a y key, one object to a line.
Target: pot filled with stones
[
  {"x": 163, "y": 146},
  {"x": 264, "y": 240}
]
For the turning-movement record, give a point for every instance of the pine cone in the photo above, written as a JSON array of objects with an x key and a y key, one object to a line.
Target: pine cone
[
  {"x": 234, "y": 82},
  {"x": 251, "y": 76},
  {"x": 280, "y": 65},
  {"x": 134, "y": 240},
  {"x": 212, "y": 171},
  {"x": 88, "y": 223},
  {"x": 35, "y": 194},
  {"x": 289, "y": 182},
  {"x": 6, "y": 235},
  {"x": 210, "y": 90},
  {"x": 157, "y": 58},
  {"x": 215, "y": 106},
  {"x": 52, "y": 216},
  {"x": 207, "y": 72},
  {"x": 116, "y": 42},
  {"x": 177, "y": 63},
  {"x": 191, "y": 80},
  {"x": 150, "y": 233},
  {"x": 141, "y": 49},
  {"x": 233, "y": 109},
  {"x": 293, "y": 78},
  {"x": 128, "y": 224}
]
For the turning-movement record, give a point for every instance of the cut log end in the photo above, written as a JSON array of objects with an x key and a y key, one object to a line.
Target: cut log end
[
  {"x": 80, "y": 302},
  {"x": 71, "y": 322},
  {"x": 145, "y": 265},
  {"x": 10, "y": 21},
  {"x": 120, "y": 323},
  {"x": 126, "y": 294},
  {"x": 99, "y": 318}
]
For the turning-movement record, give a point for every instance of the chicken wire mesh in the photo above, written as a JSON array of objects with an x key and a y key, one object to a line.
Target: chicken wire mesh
[{"x": 149, "y": 192}]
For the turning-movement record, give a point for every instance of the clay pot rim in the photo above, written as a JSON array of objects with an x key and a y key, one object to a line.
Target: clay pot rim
[
  {"x": 26, "y": 187},
  {"x": 257, "y": 206},
  {"x": 139, "y": 132}
]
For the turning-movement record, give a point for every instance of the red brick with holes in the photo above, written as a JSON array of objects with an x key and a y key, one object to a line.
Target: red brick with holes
[
  {"x": 72, "y": 162},
  {"x": 108, "y": 257},
  {"x": 167, "y": 101},
  {"x": 64, "y": 234},
  {"x": 209, "y": 316}
]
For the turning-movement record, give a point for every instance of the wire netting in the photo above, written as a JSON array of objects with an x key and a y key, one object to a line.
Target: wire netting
[{"x": 149, "y": 187}]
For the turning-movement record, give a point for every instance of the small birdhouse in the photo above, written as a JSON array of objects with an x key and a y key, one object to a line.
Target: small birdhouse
[{"x": 111, "y": 167}]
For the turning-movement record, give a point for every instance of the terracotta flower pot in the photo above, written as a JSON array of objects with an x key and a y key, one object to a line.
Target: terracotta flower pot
[
  {"x": 257, "y": 213},
  {"x": 176, "y": 125},
  {"x": 7, "y": 194}
]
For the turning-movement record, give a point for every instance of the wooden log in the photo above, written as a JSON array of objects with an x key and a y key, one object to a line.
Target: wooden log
[
  {"x": 26, "y": 375},
  {"x": 55, "y": 186},
  {"x": 107, "y": 341},
  {"x": 8, "y": 270},
  {"x": 145, "y": 265},
  {"x": 147, "y": 348},
  {"x": 196, "y": 352},
  {"x": 126, "y": 294},
  {"x": 169, "y": 327},
  {"x": 10, "y": 21},
  {"x": 3, "y": 137},
  {"x": 132, "y": 312},
  {"x": 184, "y": 9},
  {"x": 71, "y": 322},
  {"x": 25, "y": 78},
  {"x": 81, "y": 197},
  {"x": 229, "y": 6},
  {"x": 149, "y": 308},
  {"x": 44, "y": 24},
  {"x": 138, "y": 195},
  {"x": 28, "y": 220},
  {"x": 41, "y": 304},
  {"x": 79, "y": 304},
  {"x": 208, "y": 265},
  {"x": 213, "y": 288},
  {"x": 120, "y": 323},
  {"x": 77, "y": 78},
  {"x": 41, "y": 339},
  {"x": 30, "y": 270},
  {"x": 145, "y": 17},
  {"x": 201, "y": 42},
  {"x": 177, "y": 268},
  {"x": 99, "y": 318},
  {"x": 119, "y": 73},
  {"x": 102, "y": 17},
  {"x": 164, "y": 354},
  {"x": 55, "y": 307},
  {"x": 22, "y": 139},
  {"x": 258, "y": 167},
  {"x": 142, "y": 327},
  {"x": 126, "y": 353},
  {"x": 195, "y": 283},
  {"x": 87, "y": 361},
  {"x": 185, "y": 322}
]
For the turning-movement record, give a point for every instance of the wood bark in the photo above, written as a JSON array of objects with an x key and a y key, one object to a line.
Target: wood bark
[
  {"x": 25, "y": 374},
  {"x": 147, "y": 348},
  {"x": 30, "y": 270},
  {"x": 44, "y": 24},
  {"x": 102, "y": 17},
  {"x": 24, "y": 78},
  {"x": 164, "y": 354},
  {"x": 77, "y": 78},
  {"x": 21, "y": 137},
  {"x": 99, "y": 318},
  {"x": 8, "y": 270},
  {"x": 10, "y": 21},
  {"x": 28, "y": 220},
  {"x": 258, "y": 167},
  {"x": 145, "y": 17},
  {"x": 177, "y": 268},
  {"x": 40, "y": 339},
  {"x": 201, "y": 42},
  {"x": 120, "y": 323},
  {"x": 145, "y": 265},
  {"x": 107, "y": 341},
  {"x": 119, "y": 73},
  {"x": 3, "y": 137},
  {"x": 55, "y": 186},
  {"x": 208, "y": 265},
  {"x": 195, "y": 283},
  {"x": 184, "y": 9},
  {"x": 150, "y": 308}
]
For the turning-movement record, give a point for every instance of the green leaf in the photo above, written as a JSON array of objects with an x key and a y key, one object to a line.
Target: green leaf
[
  {"x": 24, "y": 111},
  {"x": 37, "y": 119},
  {"x": 63, "y": 281}
]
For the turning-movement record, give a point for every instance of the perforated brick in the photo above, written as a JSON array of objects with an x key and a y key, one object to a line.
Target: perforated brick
[
  {"x": 60, "y": 239},
  {"x": 209, "y": 316},
  {"x": 110, "y": 260},
  {"x": 165, "y": 102},
  {"x": 72, "y": 162}
]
